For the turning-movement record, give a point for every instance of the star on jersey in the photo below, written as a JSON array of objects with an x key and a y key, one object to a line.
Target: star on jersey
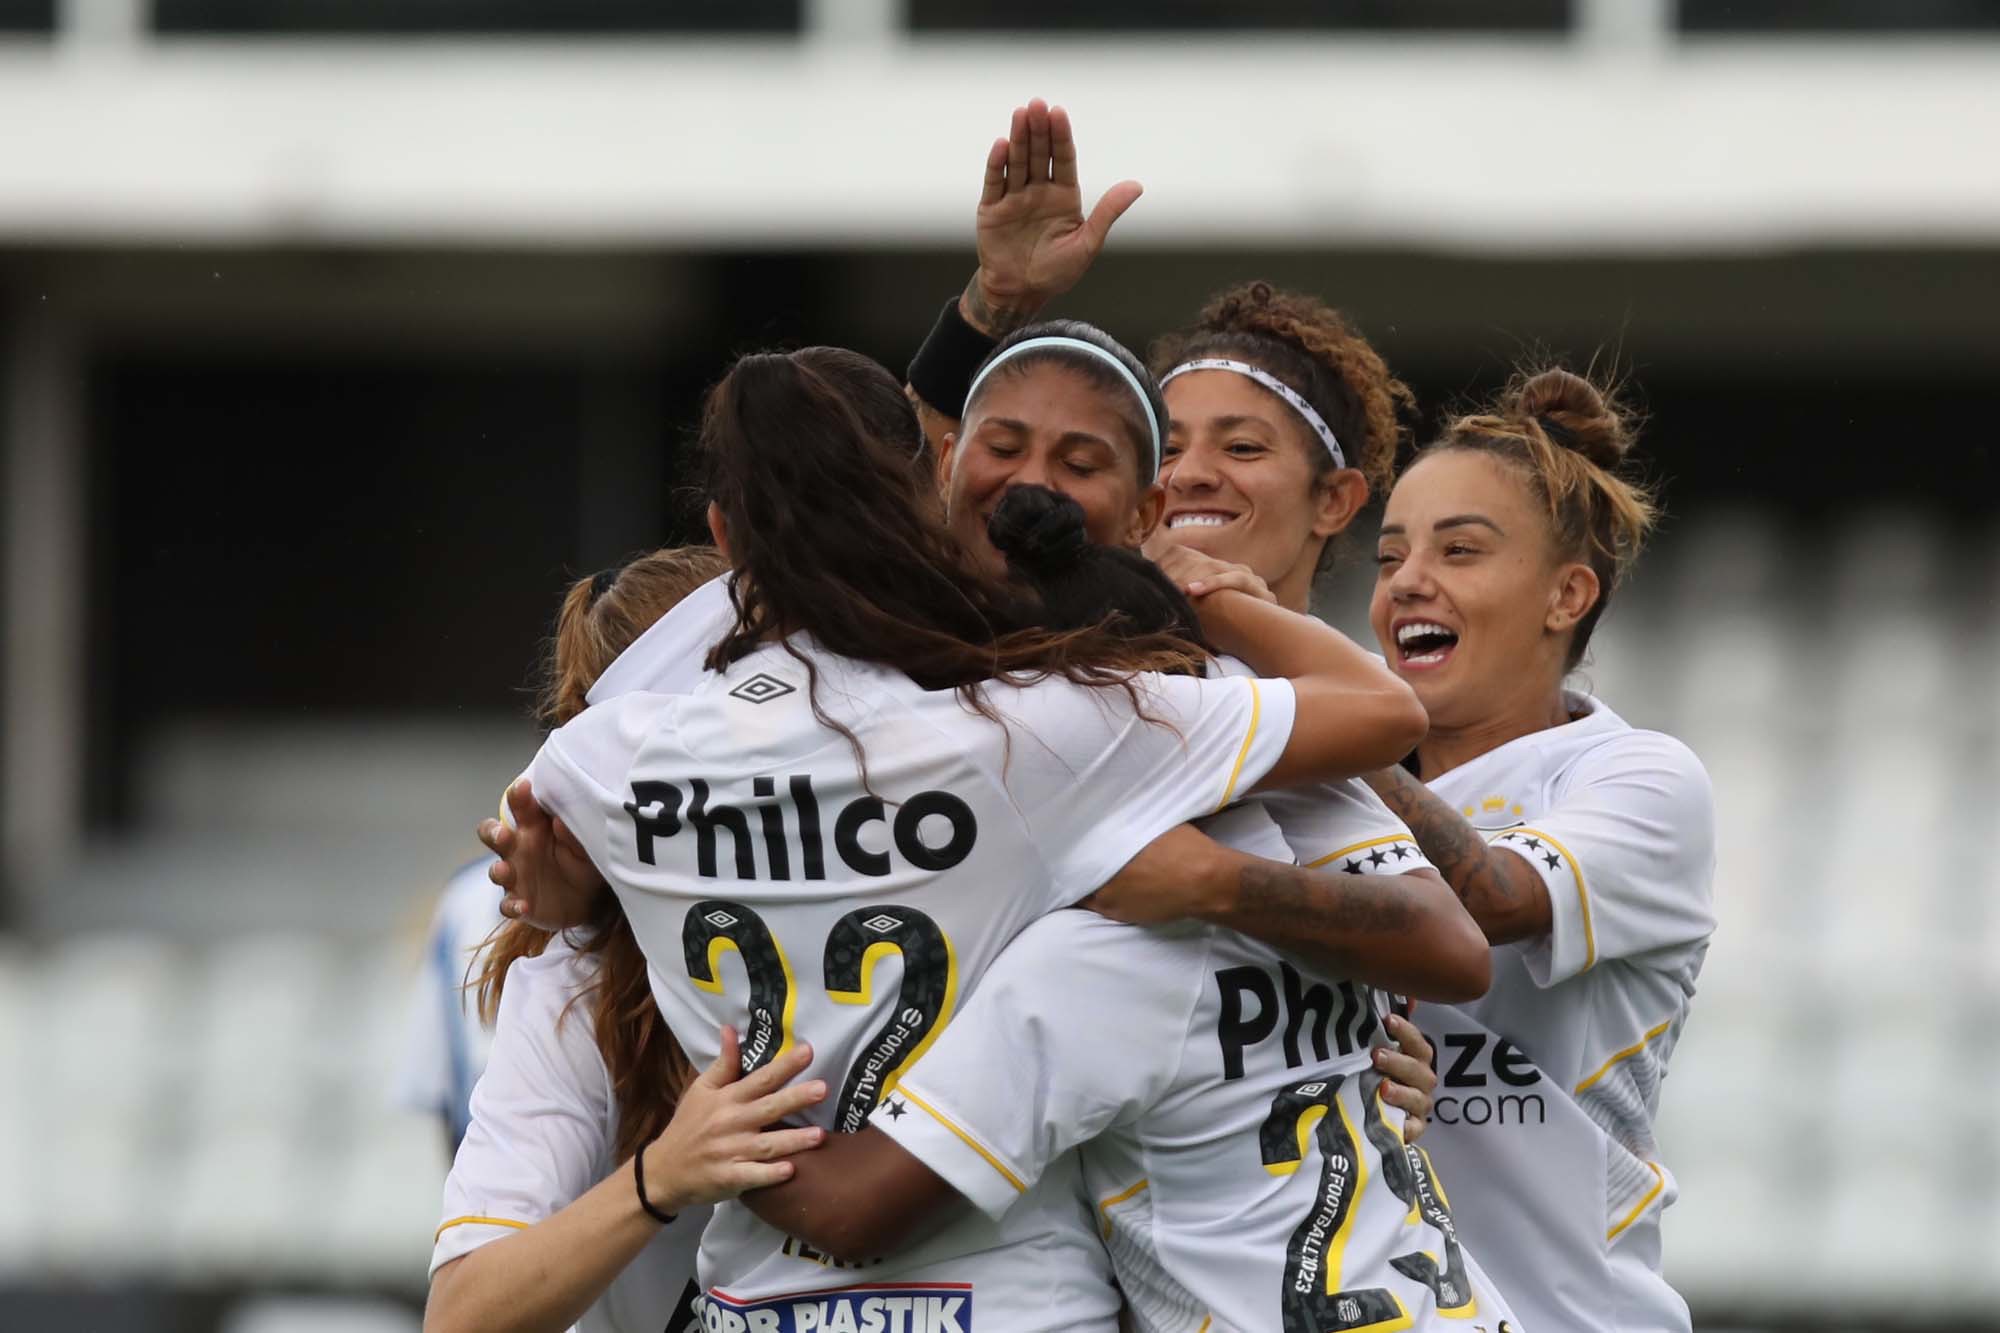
[
  {"x": 1377, "y": 857},
  {"x": 895, "y": 1110},
  {"x": 1533, "y": 844}
]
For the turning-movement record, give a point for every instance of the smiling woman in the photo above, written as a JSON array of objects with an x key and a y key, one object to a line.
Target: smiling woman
[
  {"x": 1283, "y": 420},
  {"x": 1064, "y": 405},
  {"x": 1583, "y": 847},
  {"x": 1499, "y": 553}
]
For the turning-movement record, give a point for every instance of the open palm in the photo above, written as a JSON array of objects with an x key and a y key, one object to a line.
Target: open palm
[{"x": 1034, "y": 241}]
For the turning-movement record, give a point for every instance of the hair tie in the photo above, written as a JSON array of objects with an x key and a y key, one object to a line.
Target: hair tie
[
  {"x": 601, "y": 581},
  {"x": 1558, "y": 433},
  {"x": 1092, "y": 349},
  {"x": 1292, "y": 397}
]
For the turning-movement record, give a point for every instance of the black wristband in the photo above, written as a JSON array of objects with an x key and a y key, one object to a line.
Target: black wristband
[
  {"x": 639, "y": 1180},
  {"x": 942, "y": 370}
]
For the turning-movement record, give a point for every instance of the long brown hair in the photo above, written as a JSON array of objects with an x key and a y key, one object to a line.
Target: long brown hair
[
  {"x": 600, "y": 617},
  {"x": 831, "y": 531},
  {"x": 1571, "y": 442}
]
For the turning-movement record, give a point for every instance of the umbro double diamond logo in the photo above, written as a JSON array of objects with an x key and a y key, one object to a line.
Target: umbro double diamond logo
[{"x": 761, "y": 689}]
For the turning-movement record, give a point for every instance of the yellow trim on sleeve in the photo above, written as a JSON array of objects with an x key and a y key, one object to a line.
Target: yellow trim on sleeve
[
  {"x": 1243, "y": 755},
  {"x": 964, "y": 1138},
  {"x": 1625, "y": 1054},
  {"x": 1361, "y": 847},
  {"x": 1206, "y": 1320},
  {"x": 1104, "y": 1206},
  {"x": 1659, "y": 1187},
  {"x": 478, "y": 1221},
  {"x": 1582, "y": 894}
]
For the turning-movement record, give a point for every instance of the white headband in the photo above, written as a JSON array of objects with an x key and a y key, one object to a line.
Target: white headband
[
  {"x": 1275, "y": 385},
  {"x": 1078, "y": 344}
]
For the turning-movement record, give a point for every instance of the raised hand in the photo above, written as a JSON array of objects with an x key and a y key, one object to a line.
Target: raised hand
[{"x": 1034, "y": 241}]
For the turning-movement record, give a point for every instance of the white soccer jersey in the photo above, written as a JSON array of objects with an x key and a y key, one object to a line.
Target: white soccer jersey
[
  {"x": 1549, "y": 1084},
  {"x": 446, "y": 1045},
  {"x": 1340, "y": 827},
  {"x": 544, "y": 1126},
  {"x": 767, "y": 884},
  {"x": 1246, "y": 1174}
]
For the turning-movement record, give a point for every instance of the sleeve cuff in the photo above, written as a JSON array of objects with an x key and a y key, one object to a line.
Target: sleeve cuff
[
  {"x": 1570, "y": 948},
  {"x": 932, "y": 1136},
  {"x": 460, "y": 1236}
]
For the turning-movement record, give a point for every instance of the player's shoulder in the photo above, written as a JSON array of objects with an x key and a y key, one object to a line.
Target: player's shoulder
[
  {"x": 1613, "y": 745},
  {"x": 601, "y": 741},
  {"x": 539, "y": 988},
  {"x": 1077, "y": 949}
]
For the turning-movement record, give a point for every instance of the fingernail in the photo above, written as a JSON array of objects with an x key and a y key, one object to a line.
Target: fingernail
[
  {"x": 817, "y": 1087},
  {"x": 1381, "y": 1056}
]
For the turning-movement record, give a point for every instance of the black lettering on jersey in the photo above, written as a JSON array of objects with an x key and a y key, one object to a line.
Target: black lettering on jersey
[
  {"x": 1408, "y": 1173},
  {"x": 923, "y": 1000},
  {"x": 1308, "y": 1011},
  {"x": 706, "y": 820},
  {"x": 807, "y": 805},
  {"x": 711, "y": 927},
  {"x": 1236, "y": 1033},
  {"x": 909, "y": 830},
  {"x": 772, "y": 819},
  {"x": 1310, "y": 1113},
  {"x": 656, "y": 811},
  {"x": 847, "y": 836},
  {"x": 1513, "y": 1066},
  {"x": 1468, "y": 1045},
  {"x": 1300, "y": 1001},
  {"x": 645, "y": 827}
]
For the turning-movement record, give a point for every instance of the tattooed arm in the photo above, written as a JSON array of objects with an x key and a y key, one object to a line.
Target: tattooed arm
[
  {"x": 1405, "y": 933},
  {"x": 1501, "y": 891}
]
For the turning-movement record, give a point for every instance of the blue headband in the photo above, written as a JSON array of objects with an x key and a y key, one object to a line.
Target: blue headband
[{"x": 1079, "y": 345}]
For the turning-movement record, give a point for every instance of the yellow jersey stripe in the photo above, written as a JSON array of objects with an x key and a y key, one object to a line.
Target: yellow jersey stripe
[
  {"x": 963, "y": 1137},
  {"x": 1243, "y": 755},
  {"x": 1361, "y": 847},
  {"x": 1659, "y": 1187},
  {"x": 1582, "y": 894},
  {"x": 1104, "y": 1206},
  {"x": 1625, "y": 1054},
  {"x": 478, "y": 1221}
]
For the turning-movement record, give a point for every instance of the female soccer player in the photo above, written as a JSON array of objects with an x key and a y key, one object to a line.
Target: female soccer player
[
  {"x": 583, "y": 1076},
  {"x": 890, "y": 758},
  {"x": 1584, "y": 847},
  {"x": 1245, "y": 1170}
]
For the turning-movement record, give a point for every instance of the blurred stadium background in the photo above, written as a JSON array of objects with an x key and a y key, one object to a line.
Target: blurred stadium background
[{"x": 337, "y": 333}]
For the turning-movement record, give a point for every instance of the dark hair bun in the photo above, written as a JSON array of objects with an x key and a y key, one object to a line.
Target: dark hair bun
[
  {"x": 1573, "y": 414},
  {"x": 1040, "y": 531}
]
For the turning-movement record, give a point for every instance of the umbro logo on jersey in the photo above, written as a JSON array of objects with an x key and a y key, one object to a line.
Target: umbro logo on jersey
[
  {"x": 761, "y": 689},
  {"x": 882, "y": 923},
  {"x": 933, "y": 830}
]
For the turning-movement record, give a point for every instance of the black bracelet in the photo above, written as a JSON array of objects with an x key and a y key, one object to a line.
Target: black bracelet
[
  {"x": 942, "y": 370},
  {"x": 639, "y": 1179}
]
